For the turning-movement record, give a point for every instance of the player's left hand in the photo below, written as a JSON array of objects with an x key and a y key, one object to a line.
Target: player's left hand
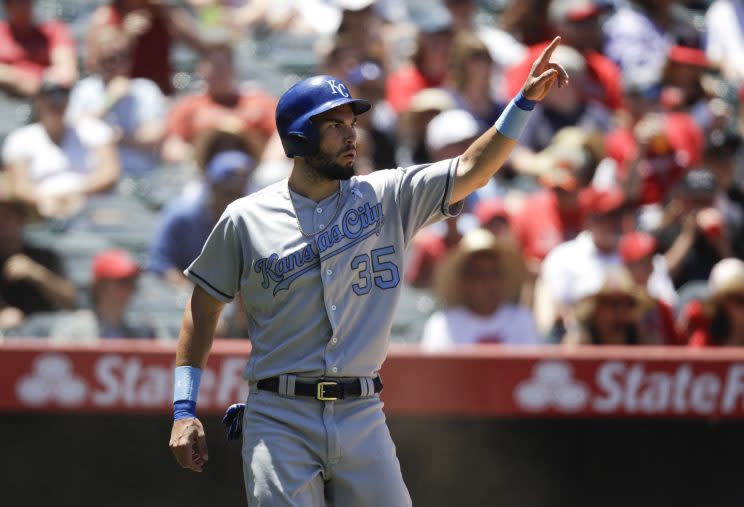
[
  {"x": 189, "y": 443},
  {"x": 544, "y": 74}
]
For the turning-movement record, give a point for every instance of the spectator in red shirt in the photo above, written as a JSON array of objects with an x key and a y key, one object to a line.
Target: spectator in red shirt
[
  {"x": 29, "y": 50},
  {"x": 577, "y": 22},
  {"x": 652, "y": 150},
  {"x": 222, "y": 105},
  {"x": 719, "y": 319},
  {"x": 430, "y": 61},
  {"x": 553, "y": 216},
  {"x": 151, "y": 27}
]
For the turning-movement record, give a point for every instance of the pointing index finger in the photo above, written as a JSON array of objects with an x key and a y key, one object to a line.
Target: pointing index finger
[{"x": 544, "y": 59}]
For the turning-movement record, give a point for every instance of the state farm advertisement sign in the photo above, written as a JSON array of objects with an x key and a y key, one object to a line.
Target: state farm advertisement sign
[
  {"x": 111, "y": 381},
  {"x": 615, "y": 387},
  {"x": 488, "y": 381}
]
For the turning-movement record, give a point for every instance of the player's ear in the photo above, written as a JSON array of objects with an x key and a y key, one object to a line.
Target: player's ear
[{"x": 297, "y": 142}]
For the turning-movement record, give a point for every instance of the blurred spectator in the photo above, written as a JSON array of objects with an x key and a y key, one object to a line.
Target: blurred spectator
[
  {"x": 693, "y": 233},
  {"x": 187, "y": 221},
  {"x": 362, "y": 24},
  {"x": 31, "y": 278},
  {"x": 471, "y": 79},
  {"x": 639, "y": 253},
  {"x": 56, "y": 165},
  {"x": 339, "y": 56},
  {"x": 721, "y": 156},
  {"x": 651, "y": 150},
  {"x": 134, "y": 108},
  {"x": 719, "y": 319},
  {"x": 462, "y": 12},
  {"x": 424, "y": 106},
  {"x": 223, "y": 104},
  {"x": 577, "y": 22},
  {"x": 29, "y": 50},
  {"x": 115, "y": 276},
  {"x": 528, "y": 21},
  {"x": 613, "y": 310},
  {"x": 368, "y": 80},
  {"x": 151, "y": 26},
  {"x": 724, "y": 33},
  {"x": 477, "y": 285},
  {"x": 588, "y": 256},
  {"x": 640, "y": 33},
  {"x": 449, "y": 133},
  {"x": 493, "y": 216},
  {"x": 683, "y": 78},
  {"x": 568, "y": 106},
  {"x": 430, "y": 60},
  {"x": 428, "y": 249},
  {"x": 552, "y": 216}
]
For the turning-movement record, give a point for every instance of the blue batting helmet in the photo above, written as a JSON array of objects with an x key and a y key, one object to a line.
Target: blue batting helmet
[{"x": 305, "y": 100}]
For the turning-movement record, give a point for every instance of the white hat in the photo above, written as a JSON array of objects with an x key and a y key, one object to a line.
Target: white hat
[
  {"x": 353, "y": 5},
  {"x": 726, "y": 276},
  {"x": 450, "y": 127}
]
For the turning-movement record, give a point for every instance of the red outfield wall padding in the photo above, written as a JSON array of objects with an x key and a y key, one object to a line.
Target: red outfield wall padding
[{"x": 135, "y": 376}]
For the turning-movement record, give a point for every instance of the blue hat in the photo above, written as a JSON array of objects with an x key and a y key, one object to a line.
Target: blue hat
[{"x": 225, "y": 164}]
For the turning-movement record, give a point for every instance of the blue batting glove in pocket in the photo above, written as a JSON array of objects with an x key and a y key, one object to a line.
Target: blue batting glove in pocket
[{"x": 233, "y": 419}]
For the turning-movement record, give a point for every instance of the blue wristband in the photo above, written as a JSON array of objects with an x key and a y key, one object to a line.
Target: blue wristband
[
  {"x": 183, "y": 409},
  {"x": 185, "y": 391},
  {"x": 523, "y": 102},
  {"x": 513, "y": 119}
]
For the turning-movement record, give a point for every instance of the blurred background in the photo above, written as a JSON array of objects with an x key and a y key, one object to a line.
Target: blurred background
[{"x": 126, "y": 127}]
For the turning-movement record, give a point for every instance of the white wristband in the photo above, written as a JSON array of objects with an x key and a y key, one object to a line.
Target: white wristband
[{"x": 186, "y": 385}]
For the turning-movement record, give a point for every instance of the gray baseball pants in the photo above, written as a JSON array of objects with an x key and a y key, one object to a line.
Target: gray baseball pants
[{"x": 301, "y": 452}]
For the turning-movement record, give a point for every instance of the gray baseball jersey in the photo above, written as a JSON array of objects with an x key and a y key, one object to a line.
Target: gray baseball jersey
[{"x": 322, "y": 304}]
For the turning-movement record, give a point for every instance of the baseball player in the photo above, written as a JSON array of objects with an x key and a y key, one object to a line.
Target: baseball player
[{"x": 317, "y": 259}]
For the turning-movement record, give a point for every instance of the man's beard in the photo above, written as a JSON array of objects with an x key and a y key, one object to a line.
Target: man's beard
[{"x": 327, "y": 168}]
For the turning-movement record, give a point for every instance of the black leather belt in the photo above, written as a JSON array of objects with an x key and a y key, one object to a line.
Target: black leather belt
[{"x": 322, "y": 389}]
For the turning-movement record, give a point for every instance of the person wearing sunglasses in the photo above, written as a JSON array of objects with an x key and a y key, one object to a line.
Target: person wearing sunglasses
[{"x": 615, "y": 310}]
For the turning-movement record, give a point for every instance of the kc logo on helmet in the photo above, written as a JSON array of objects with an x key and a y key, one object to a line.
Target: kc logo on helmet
[{"x": 338, "y": 88}]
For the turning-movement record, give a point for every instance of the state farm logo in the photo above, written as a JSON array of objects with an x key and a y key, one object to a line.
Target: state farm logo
[
  {"x": 52, "y": 379},
  {"x": 552, "y": 386},
  {"x": 122, "y": 380},
  {"x": 634, "y": 387}
]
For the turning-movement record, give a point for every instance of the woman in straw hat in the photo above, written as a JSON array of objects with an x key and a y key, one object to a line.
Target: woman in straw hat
[
  {"x": 477, "y": 284},
  {"x": 719, "y": 319},
  {"x": 615, "y": 310}
]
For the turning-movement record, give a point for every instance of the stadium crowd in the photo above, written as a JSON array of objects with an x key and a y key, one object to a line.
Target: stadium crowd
[{"x": 127, "y": 127}]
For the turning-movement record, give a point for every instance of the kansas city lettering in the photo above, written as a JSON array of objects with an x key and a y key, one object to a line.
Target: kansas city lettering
[{"x": 355, "y": 225}]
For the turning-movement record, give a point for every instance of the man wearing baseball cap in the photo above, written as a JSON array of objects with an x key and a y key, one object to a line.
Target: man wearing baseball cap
[
  {"x": 114, "y": 281},
  {"x": 187, "y": 221},
  {"x": 639, "y": 252}
]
